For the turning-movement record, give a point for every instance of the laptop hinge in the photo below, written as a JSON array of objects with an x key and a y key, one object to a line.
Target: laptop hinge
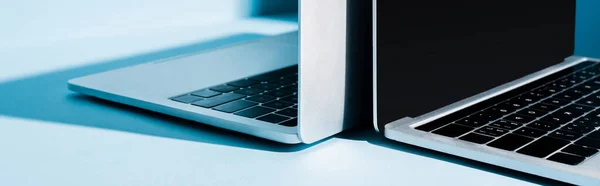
[
  {"x": 573, "y": 58},
  {"x": 400, "y": 122}
]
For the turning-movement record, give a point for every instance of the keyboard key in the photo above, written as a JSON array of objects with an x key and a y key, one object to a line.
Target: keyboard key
[
  {"x": 248, "y": 91},
  {"x": 471, "y": 122},
  {"x": 452, "y": 130},
  {"x": 261, "y": 98},
  {"x": 582, "y": 90},
  {"x": 235, "y": 106},
  {"x": 254, "y": 112},
  {"x": 559, "y": 85},
  {"x": 556, "y": 102},
  {"x": 547, "y": 90},
  {"x": 588, "y": 120},
  {"x": 509, "y": 125},
  {"x": 565, "y": 135},
  {"x": 543, "y": 147},
  {"x": 583, "y": 65},
  {"x": 186, "y": 99},
  {"x": 290, "y": 123},
  {"x": 566, "y": 114},
  {"x": 525, "y": 99},
  {"x": 291, "y": 99},
  {"x": 569, "y": 81},
  {"x": 588, "y": 86},
  {"x": 476, "y": 138},
  {"x": 589, "y": 142},
  {"x": 589, "y": 72},
  {"x": 577, "y": 128},
  {"x": 583, "y": 75},
  {"x": 544, "y": 107},
  {"x": 292, "y": 87},
  {"x": 277, "y": 104},
  {"x": 513, "y": 105},
  {"x": 578, "y": 110},
  {"x": 555, "y": 119},
  {"x": 229, "y": 97},
  {"x": 532, "y": 97},
  {"x": 206, "y": 93},
  {"x": 543, "y": 126},
  {"x": 486, "y": 116},
  {"x": 499, "y": 110},
  {"x": 492, "y": 131},
  {"x": 591, "y": 100},
  {"x": 273, "y": 118},
  {"x": 279, "y": 93},
  {"x": 580, "y": 150},
  {"x": 288, "y": 112},
  {"x": 595, "y": 81},
  {"x": 217, "y": 100},
  {"x": 595, "y": 134},
  {"x": 529, "y": 132},
  {"x": 567, "y": 95},
  {"x": 276, "y": 74},
  {"x": 594, "y": 116},
  {"x": 519, "y": 118},
  {"x": 566, "y": 158},
  {"x": 284, "y": 81},
  {"x": 510, "y": 142},
  {"x": 242, "y": 83},
  {"x": 265, "y": 86},
  {"x": 293, "y": 76},
  {"x": 431, "y": 126},
  {"x": 532, "y": 113},
  {"x": 224, "y": 88}
]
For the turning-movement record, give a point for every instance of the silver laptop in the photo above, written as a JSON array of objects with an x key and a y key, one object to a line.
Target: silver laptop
[
  {"x": 489, "y": 82},
  {"x": 289, "y": 88}
]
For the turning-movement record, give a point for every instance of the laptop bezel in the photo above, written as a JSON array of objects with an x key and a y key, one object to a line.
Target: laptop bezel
[{"x": 379, "y": 126}]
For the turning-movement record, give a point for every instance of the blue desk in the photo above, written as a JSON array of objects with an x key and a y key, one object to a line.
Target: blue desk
[{"x": 50, "y": 136}]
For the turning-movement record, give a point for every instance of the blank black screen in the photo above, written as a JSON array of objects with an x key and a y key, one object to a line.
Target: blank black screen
[{"x": 433, "y": 53}]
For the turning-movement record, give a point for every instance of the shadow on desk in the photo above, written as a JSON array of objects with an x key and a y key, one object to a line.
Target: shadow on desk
[
  {"x": 366, "y": 133},
  {"x": 46, "y": 97}
]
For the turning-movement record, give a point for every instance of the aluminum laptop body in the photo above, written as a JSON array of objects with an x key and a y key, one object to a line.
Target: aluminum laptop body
[
  {"x": 200, "y": 87},
  {"x": 442, "y": 69}
]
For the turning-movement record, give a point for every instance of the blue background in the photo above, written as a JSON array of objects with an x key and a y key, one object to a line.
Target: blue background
[
  {"x": 43, "y": 96},
  {"x": 34, "y": 96},
  {"x": 587, "y": 39}
]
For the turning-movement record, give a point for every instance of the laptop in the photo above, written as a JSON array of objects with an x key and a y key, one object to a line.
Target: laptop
[
  {"x": 496, "y": 82},
  {"x": 290, "y": 88}
]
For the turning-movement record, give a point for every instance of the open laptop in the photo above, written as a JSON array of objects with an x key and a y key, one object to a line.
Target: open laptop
[
  {"x": 494, "y": 82},
  {"x": 290, "y": 88}
]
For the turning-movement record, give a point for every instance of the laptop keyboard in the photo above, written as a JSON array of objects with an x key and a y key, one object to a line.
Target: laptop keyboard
[
  {"x": 554, "y": 118},
  {"x": 271, "y": 97}
]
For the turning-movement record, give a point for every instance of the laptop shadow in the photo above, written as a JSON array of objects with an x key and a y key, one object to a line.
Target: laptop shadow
[
  {"x": 366, "y": 133},
  {"x": 45, "y": 97}
]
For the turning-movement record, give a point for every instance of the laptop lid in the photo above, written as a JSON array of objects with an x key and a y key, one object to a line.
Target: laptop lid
[
  {"x": 429, "y": 54},
  {"x": 334, "y": 67}
]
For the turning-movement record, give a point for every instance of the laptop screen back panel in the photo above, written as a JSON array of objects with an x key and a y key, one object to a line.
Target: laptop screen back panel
[{"x": 335, "y": 67}]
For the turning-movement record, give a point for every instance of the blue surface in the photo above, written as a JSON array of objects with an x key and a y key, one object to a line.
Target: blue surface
[
  {"x": 31, "y": 22},
  {"x": 44, "y": 97},
  {"x": 587, "y": 37}
]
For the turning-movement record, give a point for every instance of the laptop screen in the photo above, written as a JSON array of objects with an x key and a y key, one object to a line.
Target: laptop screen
[{"x": 433, "y": 53}]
